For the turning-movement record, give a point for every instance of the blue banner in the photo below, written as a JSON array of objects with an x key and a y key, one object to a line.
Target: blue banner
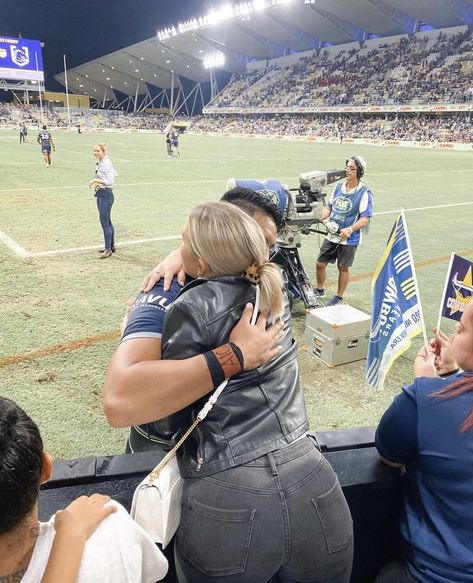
[
  {"x": 396, "y": 312},
  {"x": 20, "y": 59},
  {"x": 458, "y": 288}
]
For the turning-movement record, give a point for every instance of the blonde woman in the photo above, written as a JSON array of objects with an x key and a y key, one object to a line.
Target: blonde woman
[
  {"x": 103, "y": 185},
  {"x": 259, "y": 498}
]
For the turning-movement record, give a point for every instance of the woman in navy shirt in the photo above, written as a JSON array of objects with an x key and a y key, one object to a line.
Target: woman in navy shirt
[{"x": 429, "y": 430}]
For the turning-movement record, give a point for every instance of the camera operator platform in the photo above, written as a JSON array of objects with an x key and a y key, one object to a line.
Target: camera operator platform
[{"x": 347, "y": 214}]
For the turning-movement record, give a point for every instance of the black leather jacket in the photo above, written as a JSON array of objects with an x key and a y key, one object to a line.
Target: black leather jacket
[{"x": 259, "y": 411}]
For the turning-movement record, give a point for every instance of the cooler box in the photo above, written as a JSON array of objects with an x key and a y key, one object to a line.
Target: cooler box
[{"x": 337, "y": 334}]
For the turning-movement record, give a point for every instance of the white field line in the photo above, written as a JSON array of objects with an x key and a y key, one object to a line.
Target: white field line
[
  {"x": 423, "y": 208},
  {"x": 22, "y": 253},
  {"x": 204, "y": 181},
  {"x": 12, "y": 245},
  {"x": 93, "y": 247},
  {"x": 161, "y": 183}
]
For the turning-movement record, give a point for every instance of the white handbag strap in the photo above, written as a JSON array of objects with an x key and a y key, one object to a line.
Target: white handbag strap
[{"x": 205, "y": 409}]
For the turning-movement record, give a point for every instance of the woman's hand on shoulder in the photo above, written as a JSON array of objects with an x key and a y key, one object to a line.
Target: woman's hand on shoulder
[
  {"x": 168, "y": 268},
  {"x": 257, "y": 343}
]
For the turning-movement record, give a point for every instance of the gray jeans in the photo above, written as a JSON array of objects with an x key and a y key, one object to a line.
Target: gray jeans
[{"x": 283, "y": 514}]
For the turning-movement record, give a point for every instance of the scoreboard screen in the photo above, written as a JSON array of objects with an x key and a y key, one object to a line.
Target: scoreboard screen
[{"x": 20, "y": 59}]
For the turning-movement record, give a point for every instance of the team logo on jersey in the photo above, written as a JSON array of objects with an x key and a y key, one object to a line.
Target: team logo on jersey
[
  {"x": 3, "y": 53},
  {"x": 342, "y": 204},
  {"x": 20, "y": 55}
]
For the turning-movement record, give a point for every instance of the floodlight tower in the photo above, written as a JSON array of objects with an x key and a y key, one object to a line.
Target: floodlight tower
[{"x": 216, "y": 59}]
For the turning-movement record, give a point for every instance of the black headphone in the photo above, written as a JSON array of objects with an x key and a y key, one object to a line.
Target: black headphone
[{"x": 359, "y": 166}]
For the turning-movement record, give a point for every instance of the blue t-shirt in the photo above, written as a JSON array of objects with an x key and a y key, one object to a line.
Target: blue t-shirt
[
  {"x": 422, "y": 432},
  {"x": 148, "y": 311},
  {"x": 146, "y": 320}
]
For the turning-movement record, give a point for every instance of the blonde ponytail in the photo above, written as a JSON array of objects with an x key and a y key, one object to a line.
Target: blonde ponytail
[{"x": 232, "y": 243}]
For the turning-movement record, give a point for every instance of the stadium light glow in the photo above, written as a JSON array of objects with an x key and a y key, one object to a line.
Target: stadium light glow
[
  {"x": 217, "y": 15},
  {"x": 214, "y": 60}
]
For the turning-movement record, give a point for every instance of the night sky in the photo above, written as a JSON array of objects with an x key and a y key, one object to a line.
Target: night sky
[{"x": 85, "y": 29}]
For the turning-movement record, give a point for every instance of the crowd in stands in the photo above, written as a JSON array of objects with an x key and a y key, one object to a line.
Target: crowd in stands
[
  {"x": 422, "y": 127},
  {"x": 420, "y": 69},
  {"x": 17, "y": 114},
  {"x": 410, "y": 127}
]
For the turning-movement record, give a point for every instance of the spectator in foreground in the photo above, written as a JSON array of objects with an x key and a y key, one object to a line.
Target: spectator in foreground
[
  {"x": 429, "y": 430},
  {"x": 118, "y": 551}
]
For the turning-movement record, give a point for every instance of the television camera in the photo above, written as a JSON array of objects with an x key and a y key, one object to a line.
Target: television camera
[{"x": 300, "y": 209}]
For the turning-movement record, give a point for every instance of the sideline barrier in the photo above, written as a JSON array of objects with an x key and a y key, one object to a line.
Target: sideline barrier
[{"x": 372, "y": 489}]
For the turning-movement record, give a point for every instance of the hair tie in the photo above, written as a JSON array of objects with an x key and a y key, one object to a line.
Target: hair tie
[{"x": 252, "y": 275}]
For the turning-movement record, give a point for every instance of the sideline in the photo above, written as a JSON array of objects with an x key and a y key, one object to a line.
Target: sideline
[{"x": 112, "y": 335}]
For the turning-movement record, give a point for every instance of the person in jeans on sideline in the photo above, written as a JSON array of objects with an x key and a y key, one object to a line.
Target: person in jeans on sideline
[{"x": 103, "y": 184}]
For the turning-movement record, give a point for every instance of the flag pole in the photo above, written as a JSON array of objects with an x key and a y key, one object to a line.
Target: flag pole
[
  {"x": 39, "y": 85},
  {"x": 67, "y": 94},
  {"x": 445, "y": 290},
  {"x": 414, "y": 274}
]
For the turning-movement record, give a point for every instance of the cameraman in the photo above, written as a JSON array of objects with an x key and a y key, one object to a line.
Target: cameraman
[{"x": 349, "y": 209}]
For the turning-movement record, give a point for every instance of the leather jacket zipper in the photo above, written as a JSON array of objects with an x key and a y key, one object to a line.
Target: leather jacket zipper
[{"x": 200, "y": 459}]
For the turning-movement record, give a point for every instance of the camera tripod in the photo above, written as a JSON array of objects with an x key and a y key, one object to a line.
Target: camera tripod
[{"x": 298, "y": 280}]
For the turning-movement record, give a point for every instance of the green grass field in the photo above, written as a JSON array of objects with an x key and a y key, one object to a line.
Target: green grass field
[{"x": 61, "y": 305}]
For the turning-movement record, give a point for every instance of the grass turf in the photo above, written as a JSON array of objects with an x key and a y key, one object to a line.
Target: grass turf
[{"x": 60, "y": 311}]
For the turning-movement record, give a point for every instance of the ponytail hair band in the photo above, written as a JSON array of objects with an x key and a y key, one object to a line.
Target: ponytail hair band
[{"x": 252, "y": 275}]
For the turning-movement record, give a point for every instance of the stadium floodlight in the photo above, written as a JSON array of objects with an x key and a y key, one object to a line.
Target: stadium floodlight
[
  {"x": 217, "y": 15},
  {"x": 214, "y": 60},
  {"x": 259, "y": 5}
]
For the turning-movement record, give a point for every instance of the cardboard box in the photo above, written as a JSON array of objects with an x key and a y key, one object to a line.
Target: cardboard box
[{"x": 337, "y": 334}]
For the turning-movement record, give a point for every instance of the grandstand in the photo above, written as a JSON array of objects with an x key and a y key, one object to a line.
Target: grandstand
[{"x": 339, "y": 70}]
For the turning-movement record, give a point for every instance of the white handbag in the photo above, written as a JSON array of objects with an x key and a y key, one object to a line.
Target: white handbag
[{"x": 156, "y": 504}]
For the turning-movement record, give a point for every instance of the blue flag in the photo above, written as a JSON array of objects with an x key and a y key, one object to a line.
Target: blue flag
[
  {"x": 396, "y": 314},
  {"x": 458, "y": 288}
]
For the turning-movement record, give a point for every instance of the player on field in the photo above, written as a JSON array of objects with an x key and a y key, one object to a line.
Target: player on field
[{"x": 46, "y": 140}]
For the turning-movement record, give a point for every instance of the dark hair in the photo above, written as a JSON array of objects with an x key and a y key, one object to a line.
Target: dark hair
[
  {"x": 45, "y": 128},
  {"x": 21, "y": 449},
  {"x": 251, "y": 201},
  {"x": 456, "y": 389}
]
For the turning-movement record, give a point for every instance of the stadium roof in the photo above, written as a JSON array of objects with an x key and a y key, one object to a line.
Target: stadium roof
[{"x": 256, "y": 30}]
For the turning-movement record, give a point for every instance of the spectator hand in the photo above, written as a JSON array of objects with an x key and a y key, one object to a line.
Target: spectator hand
[
  {"x": 345, "y": 233},
  {"x": 424, "y": 363},
  {"x": 168, "y": 268},
  {"x": 444, "y": 361},
  {"x": 257, "y": 343},
  {"x": 83, "y": 516}
]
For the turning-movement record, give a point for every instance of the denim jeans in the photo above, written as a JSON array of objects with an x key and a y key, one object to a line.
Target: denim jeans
[
  {"x": 283, "y": 514},
  {"x": 105, "y": 201}
]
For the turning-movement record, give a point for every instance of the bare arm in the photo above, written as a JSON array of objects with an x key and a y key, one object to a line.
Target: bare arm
[
  {"x": 140, "y": 388},
  {"x": 74, "y": 526},
  {"x": 360, "y": 223}
]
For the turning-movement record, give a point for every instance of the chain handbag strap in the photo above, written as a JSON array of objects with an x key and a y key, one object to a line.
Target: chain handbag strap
[
  {"x": 203, "y": 412},
  {"x": 201, "y": 415}
]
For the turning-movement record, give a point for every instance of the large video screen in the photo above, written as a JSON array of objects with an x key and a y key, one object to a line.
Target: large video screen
[{"x": 20, "y": 59}]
